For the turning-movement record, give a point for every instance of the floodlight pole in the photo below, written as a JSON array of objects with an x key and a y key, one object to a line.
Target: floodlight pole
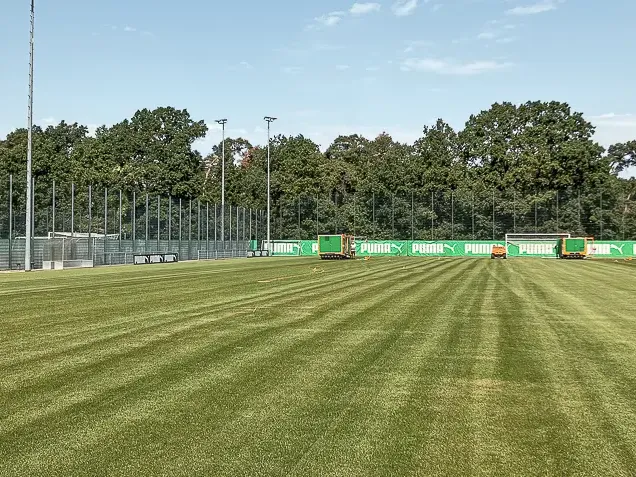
[
  {"x": 29, "y": 198},
  {"x": 222, "y": 122},
  {"x": 269, "y": 120}
]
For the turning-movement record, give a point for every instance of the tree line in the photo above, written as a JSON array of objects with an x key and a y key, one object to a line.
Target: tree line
[{"x": 532, "y": 167}]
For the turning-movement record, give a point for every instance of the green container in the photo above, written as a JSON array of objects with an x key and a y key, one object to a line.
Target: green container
[
  {"x": 330, "y": 244},
  {"x": 575, "y": 245}
]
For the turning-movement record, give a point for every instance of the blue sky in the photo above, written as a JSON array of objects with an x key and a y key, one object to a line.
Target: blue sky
[{"x": 323, "y": 67}]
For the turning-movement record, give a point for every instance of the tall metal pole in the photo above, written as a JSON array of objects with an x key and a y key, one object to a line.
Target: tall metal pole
[
  {"x": 72, "y": 210},
  {"x": 452, "y": 215},
  {"x": 120, "y": 219},
  {"x": 432, "y": 216},
  {"x": 133, "y": 213},
  {"x": 269, "y": 120},
  {"x": 105, "y": 218},
  {"x": 222, "y": 122},
  {"x": 412, "y": 213},
  {"x": 10, "y": 219},
  {"x": 29, "y": 198},
  {"x": 90, "y": 221},
  {"x": 158, "y": 223},
  {"x": 53, "y": 218}
]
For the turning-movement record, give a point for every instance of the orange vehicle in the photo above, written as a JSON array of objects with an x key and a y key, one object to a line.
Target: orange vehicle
[{"x": 498, "y": 251}]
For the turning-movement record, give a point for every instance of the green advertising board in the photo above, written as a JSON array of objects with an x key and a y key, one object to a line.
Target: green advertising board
[
  {"x": 612, "y": 249},
  {"x": 454, "y": 248}
]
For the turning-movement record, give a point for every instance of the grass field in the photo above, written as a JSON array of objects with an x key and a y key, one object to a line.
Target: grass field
[{"x": 302, "y": 367}]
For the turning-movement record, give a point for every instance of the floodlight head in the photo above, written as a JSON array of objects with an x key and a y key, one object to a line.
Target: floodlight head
[
  {"x": 269, "y": 119},
  {"x": 221, "y": 121}
]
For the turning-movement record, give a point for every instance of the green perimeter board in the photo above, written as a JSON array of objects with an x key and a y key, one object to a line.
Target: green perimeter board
[
  {"x": 470, "y": 248},
  {"x": 330, "y": 244}
]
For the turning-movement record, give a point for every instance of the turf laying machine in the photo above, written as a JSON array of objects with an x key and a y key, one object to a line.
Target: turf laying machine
[
  {"x": 336, "y": 247},
  {"x": 576, "y": 248}
]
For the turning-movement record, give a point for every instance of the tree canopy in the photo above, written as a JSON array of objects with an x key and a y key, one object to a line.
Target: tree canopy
[{"x": 505, "y": 161}]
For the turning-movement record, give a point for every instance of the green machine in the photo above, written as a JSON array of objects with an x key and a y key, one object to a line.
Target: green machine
[
  {"x": 573, "y": 247},
  {"x": 336, "y": 247}
]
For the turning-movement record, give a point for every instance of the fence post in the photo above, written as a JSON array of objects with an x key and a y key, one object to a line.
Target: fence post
[
  {"x": 354, "y": 215},
  {"x": 299, "y": 232},
  {"x": 134, "y": 222},
  {"x": 536, "y": 215},
  {"x": 180, "y": 228},
  {"x": 392, "y": 216},
  {"x": 53, "y": 217},
  {"x": 317, "y": 228},
  {"x": 250, "y": 221},
  {"x": 105, "y": 217},
  {"x": 623, "y": 216},
  {"x": 514, "y": 211},
  {"x": 120, "y": 204},
  {"x": 601, "y": 217},
  {"x": 452, "y": 214},
  {"x": 237, "y": 226},
  {"x": 72, "y": 209},
  {"x": 493, "y": 214},
  {"x": 373, "y": 200},
  {"x": 473, "y": 213},
  {"x": 432, "y": 216},
  {"x": 169, "y": 223},
  {"x": 207, "y": 229},
  {"x": 198, "y": 225},
  {"x": 412, "y": 214},
  {"x": 147, "y": 222},
  {"x": 215, "y": 237},
  {"x": 158, "y": 223},
  {"x": 557, "y": 211},
  {"x": 190, "y": 231},
  {"x": 10, "y": 220},
  {"x": 230, "y": 225},
  {"x": 90, "y": 219},
  {"x": 579, "y": 207}
]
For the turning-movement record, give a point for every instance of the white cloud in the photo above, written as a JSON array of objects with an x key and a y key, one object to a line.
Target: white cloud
[
  {"x": 505, "y": 40},
  {"x": 402, "y": 8},
  {"x": 364, "y": 8},
  {"x": 49, "y": 121},
  {"x": 616, "y": 120},
  {"x": 326, "y": 21},
  {"x": 129, "y": 28},
  {"x": 342, "y": 67},
  {"x": 372, "y": 68},
  {"x": 437, "y": 7},
  {"x": 486, "y": 35},
  {"x": 445, "y": 67},
  {"x": 533, "y": 9}
]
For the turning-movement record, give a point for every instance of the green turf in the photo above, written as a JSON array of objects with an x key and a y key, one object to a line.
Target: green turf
[{"x": 304, "y": 367}]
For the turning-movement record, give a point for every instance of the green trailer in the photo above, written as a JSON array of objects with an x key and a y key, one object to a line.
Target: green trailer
[
  {"x": 336, "y": 247},
  {"x": 573, "y": 247}
]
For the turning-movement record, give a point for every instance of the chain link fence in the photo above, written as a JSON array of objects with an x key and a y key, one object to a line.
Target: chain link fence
[
  {"x": 110, "y": 226},
  {"x": 456, "y": 215}
]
